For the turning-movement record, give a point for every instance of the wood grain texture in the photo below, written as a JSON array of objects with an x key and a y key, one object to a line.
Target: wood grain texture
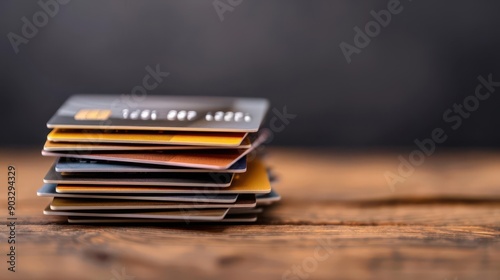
[{"x": 338, "y": 220}]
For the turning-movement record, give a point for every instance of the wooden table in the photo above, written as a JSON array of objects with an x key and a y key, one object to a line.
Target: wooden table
[{"x": 338, "y": 220}]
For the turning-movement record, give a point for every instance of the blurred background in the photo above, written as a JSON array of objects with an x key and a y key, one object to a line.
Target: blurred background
[{"x": 395, "y": 89}]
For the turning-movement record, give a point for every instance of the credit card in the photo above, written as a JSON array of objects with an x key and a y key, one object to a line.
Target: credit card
[
  {"x": 243, "y": 201},
  {"x": 146, "y": 137},
  {"x": 242, "y": 211},
  {"x": 175, "y": 214},
  {"x": 49, "y": 190},
  {"x": 84, "y": 166},
  {"x": 219, "y": 180},
  {"x": 217, "y": 159},
  {"x": 90, "y": 147},
  {"x": 268, "y": 198},
  {"x": 213, "y": 159},
  {"x": 229, "y": 218},
  {"x": 255, "y": 181},
  {"x": 174, "y": 113}
]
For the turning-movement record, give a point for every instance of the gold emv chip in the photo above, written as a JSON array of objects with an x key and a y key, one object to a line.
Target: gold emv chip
[{"x": 92, "y": 115}]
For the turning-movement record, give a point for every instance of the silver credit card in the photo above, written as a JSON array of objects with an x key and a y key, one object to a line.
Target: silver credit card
[{"x": 166, "y": 113}]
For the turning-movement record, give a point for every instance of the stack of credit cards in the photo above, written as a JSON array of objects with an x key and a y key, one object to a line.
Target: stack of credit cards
[{"x": 158, "y": 159}]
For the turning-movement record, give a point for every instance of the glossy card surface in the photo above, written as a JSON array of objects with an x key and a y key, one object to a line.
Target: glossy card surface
[{"x": 174, "y": 113}]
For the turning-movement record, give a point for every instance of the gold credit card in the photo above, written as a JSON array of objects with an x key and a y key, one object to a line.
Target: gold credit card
[
  {"x": 166, "y": 113},
  {"x": 89, "y": 147},
  {"x": 230, "y": 139},
  {"x": 254, "y": 181}
]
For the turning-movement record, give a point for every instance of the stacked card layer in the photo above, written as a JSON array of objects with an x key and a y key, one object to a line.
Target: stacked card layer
[{"x": 169, "y": 159}]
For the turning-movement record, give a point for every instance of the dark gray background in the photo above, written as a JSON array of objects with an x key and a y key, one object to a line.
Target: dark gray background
[{"x": 396, "y": 90}]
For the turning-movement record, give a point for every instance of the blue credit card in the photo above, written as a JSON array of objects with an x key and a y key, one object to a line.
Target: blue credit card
[
  {"x": 177, "y": 179},
  {"x": 72, "y": 165}
]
